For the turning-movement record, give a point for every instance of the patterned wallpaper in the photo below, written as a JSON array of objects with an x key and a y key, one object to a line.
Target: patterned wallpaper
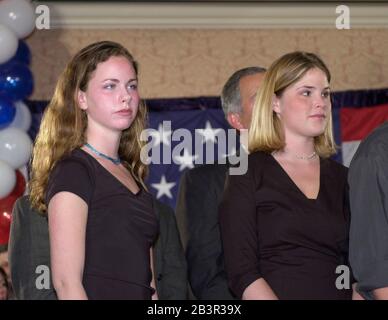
[{"x": 196, "y": 62}]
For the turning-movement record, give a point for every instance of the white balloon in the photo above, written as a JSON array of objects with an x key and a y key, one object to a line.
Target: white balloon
[
  {"x": 22, "y": 118},
  {"x": 15, "y": 147},
  {"x": 18, "y": 15},
  {"x": 24, "y": 171},
  {"x": 8, "y": 179},
  {"x": 8, "y": 44}
]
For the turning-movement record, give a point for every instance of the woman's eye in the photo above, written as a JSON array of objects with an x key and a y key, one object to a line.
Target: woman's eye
[
  {"x": 109, "y": 86},
  {"x": 306, "y": 93},
  {"x": 132, "y": 86},
  {"x": 326, "y": 94}
]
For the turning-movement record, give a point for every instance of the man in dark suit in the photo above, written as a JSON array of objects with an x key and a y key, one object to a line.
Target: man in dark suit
[
  {"x": 29, "y": 255},
  {"x": 200, "y": 191},
  {"x": 169, "y": 260}
]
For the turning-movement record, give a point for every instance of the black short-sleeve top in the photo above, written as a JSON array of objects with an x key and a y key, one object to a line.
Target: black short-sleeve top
[{"x": 121, "y": 228}]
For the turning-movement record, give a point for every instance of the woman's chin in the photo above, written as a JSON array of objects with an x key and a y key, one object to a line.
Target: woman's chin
[{"x": 123, "y": 125}]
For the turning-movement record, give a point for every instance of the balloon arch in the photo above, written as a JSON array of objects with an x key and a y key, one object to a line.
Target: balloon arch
[{"x": 17, "y": 21}]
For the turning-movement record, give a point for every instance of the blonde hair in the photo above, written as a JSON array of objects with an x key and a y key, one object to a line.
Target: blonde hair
[
  {"x": 266, "y": 133},
  {"x": 63, "y": 125}
]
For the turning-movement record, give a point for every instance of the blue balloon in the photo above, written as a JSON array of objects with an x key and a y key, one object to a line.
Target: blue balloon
[
  {"x": 22, "y": 55},
  {"x": 16, "y": 81},
  {"x": 7, "y": 112}
]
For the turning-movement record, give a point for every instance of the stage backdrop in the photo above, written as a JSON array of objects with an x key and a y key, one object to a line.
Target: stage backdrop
[{"x": 355, "y": 115}]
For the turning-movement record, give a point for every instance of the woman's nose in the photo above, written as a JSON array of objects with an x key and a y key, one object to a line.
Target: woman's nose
[{"x": 125, "y": 97}]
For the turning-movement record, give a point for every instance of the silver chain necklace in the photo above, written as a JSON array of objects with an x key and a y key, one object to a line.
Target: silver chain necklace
[
  {"x": 301, "y": 157},
  {"x": 311, "y": 156}
]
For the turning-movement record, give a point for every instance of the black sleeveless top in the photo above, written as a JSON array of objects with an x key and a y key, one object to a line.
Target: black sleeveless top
[{"x": 121, "y": 228}]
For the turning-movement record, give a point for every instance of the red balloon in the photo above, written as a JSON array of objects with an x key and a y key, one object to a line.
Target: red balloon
[
  {"x": 20, "y": 186},
  {"x": 6, "y": 206}
]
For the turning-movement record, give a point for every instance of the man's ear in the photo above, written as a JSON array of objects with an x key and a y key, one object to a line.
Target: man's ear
[
  {"x": 81, "y": 97},
  {"x": 235, "y": 120},
  {"x": 276, "y": 104}
]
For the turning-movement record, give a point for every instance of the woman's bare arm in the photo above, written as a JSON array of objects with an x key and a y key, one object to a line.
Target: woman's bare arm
[{"x": 67, "y": 214}]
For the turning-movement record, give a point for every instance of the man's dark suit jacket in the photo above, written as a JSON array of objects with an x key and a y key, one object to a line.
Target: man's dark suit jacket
[
  {"x": 29, "y": 247},
  {"x": 200, "y": 192}
]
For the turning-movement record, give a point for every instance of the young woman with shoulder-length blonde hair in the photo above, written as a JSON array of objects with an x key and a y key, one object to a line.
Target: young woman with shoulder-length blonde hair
[
  {"x": 266, "y": 133},
  {"x": 87, "y": 177},
  {"x": 284, "y": 224}
]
